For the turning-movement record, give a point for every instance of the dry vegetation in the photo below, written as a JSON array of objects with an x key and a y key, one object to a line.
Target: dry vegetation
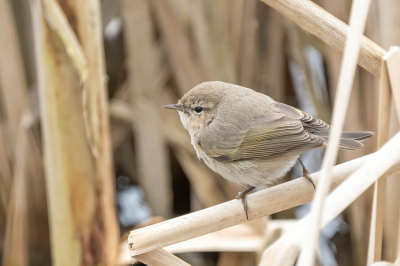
[{"x": 81, "y": 85}]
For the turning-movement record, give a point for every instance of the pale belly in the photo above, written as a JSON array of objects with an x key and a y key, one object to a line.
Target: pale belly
[{"x": 256, "y": 173}]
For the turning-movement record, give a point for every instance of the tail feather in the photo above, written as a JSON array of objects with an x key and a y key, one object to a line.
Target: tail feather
[
  {"x": 350, "y": 144},
  {"x": 350, "y": 140},
  {"x": 357, "y": 135}
]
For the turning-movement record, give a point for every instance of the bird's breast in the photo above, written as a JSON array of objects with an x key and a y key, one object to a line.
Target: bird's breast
[{"x": 256, "y": 172}]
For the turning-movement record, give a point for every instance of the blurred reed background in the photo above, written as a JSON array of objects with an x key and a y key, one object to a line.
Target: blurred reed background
[{"x": 120, "y": 161}]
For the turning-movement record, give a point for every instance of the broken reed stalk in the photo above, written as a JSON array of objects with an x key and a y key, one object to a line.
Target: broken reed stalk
[
  {"x": 262, "y": 203},
  {"x": 328, "y": 28},
  {"x": 386, "y": 162},
  {"x": 60, "y": 23},
  {"x": 358, "y": 17},
  {"x": 378, "y": 206}
]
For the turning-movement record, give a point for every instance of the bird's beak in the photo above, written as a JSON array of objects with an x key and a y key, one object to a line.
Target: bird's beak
[{"x": 173, "y": 106}]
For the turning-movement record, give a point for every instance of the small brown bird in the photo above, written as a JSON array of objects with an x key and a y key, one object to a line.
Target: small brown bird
[{"x": 249, "y": 138}]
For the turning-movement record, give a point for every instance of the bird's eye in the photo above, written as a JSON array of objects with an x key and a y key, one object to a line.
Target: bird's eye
[{"x": 198, "y": 109}]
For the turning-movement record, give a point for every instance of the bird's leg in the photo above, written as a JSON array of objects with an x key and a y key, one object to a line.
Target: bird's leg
[
  {"x": 306, "y": 174},
  {"x": 242, "y": 196}
]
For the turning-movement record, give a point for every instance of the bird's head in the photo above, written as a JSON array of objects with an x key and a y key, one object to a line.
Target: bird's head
[{"x": 198, "y": 107}]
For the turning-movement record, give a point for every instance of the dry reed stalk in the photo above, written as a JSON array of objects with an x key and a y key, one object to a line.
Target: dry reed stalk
[
  {"x": 13, "y": 93},
  {"x": 182, "y": 10},
  {"x": 358, "y": 212},
  {"x": 179, "y": 138},
  {"x": 5, "y": 171},
  {"x": 121, "y": 116},
  {"x": 121, "y": 110},
  {"x": 212, "y": 39},
  {"x": 247, "y": 65},
  {"x": 234, "y": 15},
  {"x": 329, "y": 29},
  {"x": 383, "y": 263},
  {"x": 160, "y": 257},
  {"x": 16, "y": 240},
  {"x": 262, "y": 203},
  {"x": 12, "y": 76},
  {"x": 358, "y": 18},
  {"x": 59, "y": 22},
  {"x": 38, "y": 220},
  {"x": 315, "y": 72},
  {"x": 389, "y": 22},
  {"x": 125, "y": 158},
  {"x": 30, "y": 220},
  {"x": 144, "y": 88},
  {"x": 181, "y": 56},
  {"x": 201, "y": 37},
  {"x": 24, "y": 22},
  {"x": 95, "y": 104},
  {"x": 3, "y": 221},
  {"x": 333, "y": 57},
  {"x": 235, "y": 259},
  {"x": 272, "y": 55},
  {"x": 371, "y": 83},
  {"x": 297, "y": 47},
  {"x": 240, "y": 238},
  {"x": 361, "y": 111},
  {"x": 377, "y": 165},
  {"x": 79, "y": 184},
  {"x": 59, "y": 192},
  {"x": 389, "y": 27},
  {"x": 203, "y": 184},
  {"x": 247, "y": 237},
  {"x": 391, "y": 229},
  {"x": 119, "y": 130},
  {"x": 393, "y": 63},
  {"x": 375, "y": 239},
  {"x": 392, "y": 59}
]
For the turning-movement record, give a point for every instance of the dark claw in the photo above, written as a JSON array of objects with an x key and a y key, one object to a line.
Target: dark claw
[
  {"x": 242, "y": 196},
  {"x": 306, "y": 174},
  {"x": 244, "y": 203},
  {"x": 311, "y": 180}
]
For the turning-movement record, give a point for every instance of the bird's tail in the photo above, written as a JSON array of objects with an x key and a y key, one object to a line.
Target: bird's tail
[{"x": 350, "y": 140}]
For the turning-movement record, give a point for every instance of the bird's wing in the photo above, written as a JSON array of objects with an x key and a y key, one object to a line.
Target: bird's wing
[
  {"x": 265, "y": 137},
  {"x": 310, "y": 123}
]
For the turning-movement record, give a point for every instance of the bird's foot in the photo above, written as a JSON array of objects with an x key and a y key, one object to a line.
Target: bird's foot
[
  {"x": 242, "y": 196},
  {"x": 307, "y": 175},
  {"x": 244, "y": 202}
]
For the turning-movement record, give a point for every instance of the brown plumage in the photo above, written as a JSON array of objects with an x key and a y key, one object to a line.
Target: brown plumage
[{"x": 249, "y": 138}]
